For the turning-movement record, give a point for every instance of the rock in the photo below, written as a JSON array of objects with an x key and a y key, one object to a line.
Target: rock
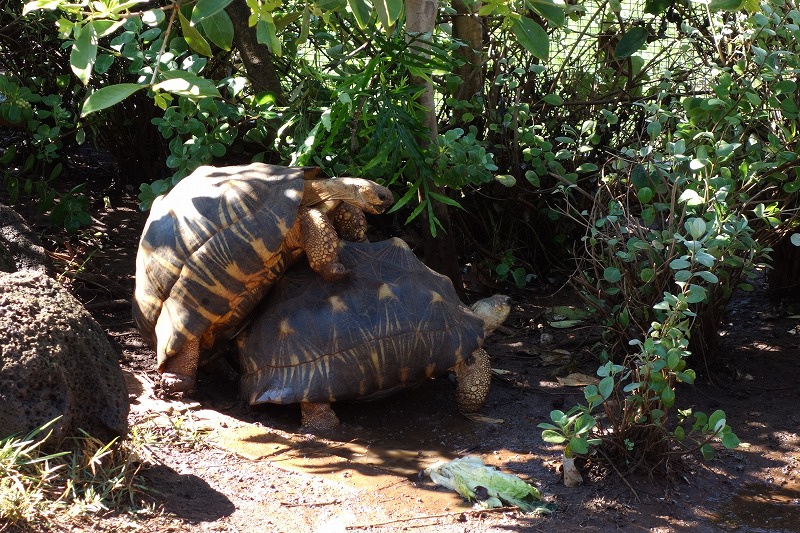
[
  {"x": 55, "y": 360},
  {"x": 20, "y": 248}
]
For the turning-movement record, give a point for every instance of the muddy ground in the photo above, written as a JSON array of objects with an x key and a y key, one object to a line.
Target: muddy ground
[{"x": 256, "y": 471}]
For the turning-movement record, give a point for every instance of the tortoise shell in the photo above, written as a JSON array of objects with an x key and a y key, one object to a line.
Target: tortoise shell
[
  {"x": 390, "y": 324},
  {"x": 210, "y": 250}
]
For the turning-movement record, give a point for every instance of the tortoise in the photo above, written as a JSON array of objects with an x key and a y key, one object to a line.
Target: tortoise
[
  {"x": 213, "y": 246},
  {"x": 389, "y": 325}
]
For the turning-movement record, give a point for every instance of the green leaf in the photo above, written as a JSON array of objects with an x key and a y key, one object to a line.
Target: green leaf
[
  {"x": 656, "y": 7},
  {"x": 553, "y": 437},
  {"x": 83, "y": 53},
  {"x": 553, "y": 99},
  {"x": 444, "y": 199},
  {"x": 331, "y": 5},
  {"x": 283, "y": 21},
  {"x": 707, "y": 451},
  {"x": 673, "y": 359},
  {"x": 716, "y": 422},
  {"x": 204, "y": 9},
  {"x": 104, "y": 28},
  {"x": 362, "y": 11},
  {"x": 679, "y": 264},
  {"x": 554, "y": 14},
  {"x": 726, "y": 5},
  {"x": 389, "y": 11},
  {"x": 705, "y": 259},
  {"x": 795, "y": 239},
  {"x": 791, "y": 187},
  {"x": 305, "y": 24},
  {"x": 532, "y": 37},
  {"x": 103, "y": 63},
  {"x": 698, "y": 164},
  {"x": 691, "y": 197},
  {"x": 710, "y": 277},
  {"x": 679, "y": 433},
  {"x": 606, "y": 387},
  {"x": 631, "y": 41},
  {"x": 506, "y": 180},
  {"x": 612, "y": 274},
  {"x": 696, "y": 227},
  {"x": 730, "y": 440},
  {"x": 154, "y": 17},
  {"x": 696, "y": 294},
  {"x": 579, "y": 445},
  {"x": 266, "y": 33},
  {"x": 645, "y": 195},
  {"x": 785, "y": 87},
  {"x": 41, "y": 4},
  {"x": 219, "y": 29},
  {"x": 186, "y": 84},
  {"x": 584, "y": 423},
  {"x": 193, "y": 38},
  {"x": 108, "y": 96},
  {"x": 564, "y": 324},
  {"x": 668, "y": 397}
]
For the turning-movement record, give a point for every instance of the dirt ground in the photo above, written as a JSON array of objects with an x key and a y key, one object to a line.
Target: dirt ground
[{"x": 256, "y": 471}]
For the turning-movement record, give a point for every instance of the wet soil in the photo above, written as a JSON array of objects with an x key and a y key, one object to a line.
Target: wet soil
[{"x": 257, "y": 471}]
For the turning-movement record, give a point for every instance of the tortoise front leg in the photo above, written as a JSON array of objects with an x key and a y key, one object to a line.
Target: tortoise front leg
[
  {"x": 473, "y": 380},
  {"x": 179, "y": 371},
  {"x": 318, "y": 416},
  {"x": 321, "y": 243},
  {"x": 349, "y": 222}
]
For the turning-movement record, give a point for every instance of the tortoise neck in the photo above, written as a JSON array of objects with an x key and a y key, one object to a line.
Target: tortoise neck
[{"x": 318, "y": 191}]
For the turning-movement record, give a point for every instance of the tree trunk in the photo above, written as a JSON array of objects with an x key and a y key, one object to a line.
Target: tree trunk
[
  {"x": 440, "y": 251},
  {"x": 468, "y": 28},
  {"x": 257, "y": 60}
]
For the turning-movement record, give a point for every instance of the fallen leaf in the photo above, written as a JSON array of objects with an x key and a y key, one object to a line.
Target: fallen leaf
[
  {"x": 577, "y": 379},
  {"x": 567, "y": 312},
  {"x": 477, "y": 417},
  {"x": 562, "y": 324}
]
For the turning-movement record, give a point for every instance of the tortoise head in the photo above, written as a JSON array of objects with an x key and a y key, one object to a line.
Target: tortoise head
[
  {"x": 493, "y": 310},
  {"x": 362, "y": 193}
]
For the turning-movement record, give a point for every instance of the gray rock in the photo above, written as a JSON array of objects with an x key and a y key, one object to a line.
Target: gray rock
[
  {"x": 55, "y": 360},
  {"x": 20, "y": 248}
]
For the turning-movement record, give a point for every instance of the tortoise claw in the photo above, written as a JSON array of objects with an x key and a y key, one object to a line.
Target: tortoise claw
[
  {"x": 333, "y": 271},
  {"x": 173, "y": 383}
]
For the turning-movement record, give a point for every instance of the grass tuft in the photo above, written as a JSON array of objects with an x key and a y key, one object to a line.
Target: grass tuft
[{"x": 40, "y": 490}]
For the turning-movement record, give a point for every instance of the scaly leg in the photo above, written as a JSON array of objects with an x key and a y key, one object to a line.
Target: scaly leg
[
  {"x": 321, "y": 243},
  {"x": 178, "y": 373},
  {"x": 473, "y": 382},
  {"x": 318, "y": 416}
]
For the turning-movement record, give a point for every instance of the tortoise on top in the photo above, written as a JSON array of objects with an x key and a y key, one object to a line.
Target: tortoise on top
[
  {"x": 214, "y": 245},
  {"x": 390, "y": 324}
]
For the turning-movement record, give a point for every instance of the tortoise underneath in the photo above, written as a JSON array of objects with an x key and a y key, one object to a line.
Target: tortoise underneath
[{"x": 390, "y": 324}]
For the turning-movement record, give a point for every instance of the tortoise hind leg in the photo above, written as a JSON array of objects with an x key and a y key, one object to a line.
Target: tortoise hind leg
[
  {"x": 473, "y": 382},
  {"x": 318, "y": 415},
  {"x": 179, "y": 371}
]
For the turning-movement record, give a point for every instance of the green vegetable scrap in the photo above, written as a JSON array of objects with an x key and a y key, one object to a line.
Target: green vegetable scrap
[{"x": 487, "y": 486}]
